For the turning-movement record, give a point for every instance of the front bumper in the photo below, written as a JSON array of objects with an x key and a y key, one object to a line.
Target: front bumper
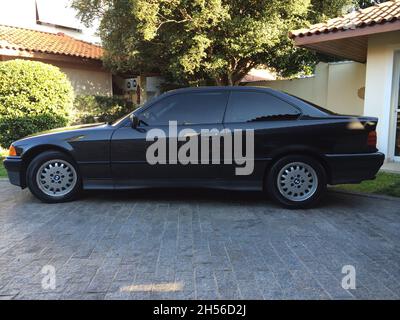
[
  {"x": 13, "y": 166},
  {"x": 354, "y": 168}
]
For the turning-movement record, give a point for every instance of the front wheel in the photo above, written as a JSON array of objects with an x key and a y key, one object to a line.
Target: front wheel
[
  {"x": 296, "y": 181},
  {"x": 53, "y": 177}
]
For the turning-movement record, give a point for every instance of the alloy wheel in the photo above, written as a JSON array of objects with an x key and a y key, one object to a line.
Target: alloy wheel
[
  {"x": 297, "y": 181},
  {"x": 56, "y": 178}
]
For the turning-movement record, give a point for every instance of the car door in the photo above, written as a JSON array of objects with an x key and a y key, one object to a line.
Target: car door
[
  {"x": 192, "y": 112},
  {"x": 269, "y": 117}
]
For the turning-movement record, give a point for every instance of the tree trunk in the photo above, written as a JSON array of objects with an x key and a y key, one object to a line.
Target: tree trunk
[
  {"x": 234, "y": 77},
  {"x": 230, "y": 80},
  {"x": 239, "y": 74}
]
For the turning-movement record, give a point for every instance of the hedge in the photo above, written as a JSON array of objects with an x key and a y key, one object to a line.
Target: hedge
[{"x": 34, "y": 97}]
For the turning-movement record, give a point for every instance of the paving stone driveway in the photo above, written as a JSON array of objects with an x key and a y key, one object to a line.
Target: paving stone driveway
[{"x": 197, "y": 244}]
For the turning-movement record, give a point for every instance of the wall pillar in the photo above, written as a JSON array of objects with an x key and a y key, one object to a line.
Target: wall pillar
[{"x": 379, "y": 86}]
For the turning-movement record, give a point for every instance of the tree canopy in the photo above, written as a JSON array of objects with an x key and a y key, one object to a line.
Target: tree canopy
[{"x": 193, "y": 42}]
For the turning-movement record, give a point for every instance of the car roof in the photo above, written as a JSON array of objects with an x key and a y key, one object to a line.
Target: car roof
[{"x": 220, "y": 88}]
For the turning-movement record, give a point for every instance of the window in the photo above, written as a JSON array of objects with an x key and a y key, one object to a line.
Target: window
[
  {"x": 187, "y": 109},
  {"x": 257, "y": 106}
]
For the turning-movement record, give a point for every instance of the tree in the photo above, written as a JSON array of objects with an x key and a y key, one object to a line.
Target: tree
[
  {"x": 323, "y": 10},
  {"x": 205, "y": 41}
]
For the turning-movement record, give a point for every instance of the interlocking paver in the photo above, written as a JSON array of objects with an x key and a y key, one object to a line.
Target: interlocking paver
[{"x": 181, "y": 244}]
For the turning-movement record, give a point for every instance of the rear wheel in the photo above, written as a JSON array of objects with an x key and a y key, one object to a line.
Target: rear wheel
[
  {"x": 296, "y": 181},
  {"x": 53, "y": 177}
]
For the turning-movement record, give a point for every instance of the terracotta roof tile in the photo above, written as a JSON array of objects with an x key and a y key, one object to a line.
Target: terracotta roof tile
[
  {"x": 45, "y": 42},
  {"x": 378, "y": 14}
]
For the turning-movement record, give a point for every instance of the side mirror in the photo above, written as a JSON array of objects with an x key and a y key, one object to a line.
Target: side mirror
[{"x": 134, "y": 121}]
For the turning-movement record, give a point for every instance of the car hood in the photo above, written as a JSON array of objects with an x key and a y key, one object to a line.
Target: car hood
[
  {"x": 69, "y": 131},
  {"x": 65, "y": 129}
]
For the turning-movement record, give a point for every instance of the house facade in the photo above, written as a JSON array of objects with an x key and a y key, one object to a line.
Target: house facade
[
  {"x": 79, "y": 60},
  {"x": 370, "y": 37},
  {"x": 48, "y": 31}
]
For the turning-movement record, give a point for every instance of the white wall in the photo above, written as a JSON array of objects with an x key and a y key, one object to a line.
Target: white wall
[
  {"x": 336, "y": 86},
  {"x": 22, "y": 13},
  {"x": 153, "y": 86},
  {"x": 380, "y": 86},
  {"x": 346, "y": 87},
  {"x": 89, "y": 82}
]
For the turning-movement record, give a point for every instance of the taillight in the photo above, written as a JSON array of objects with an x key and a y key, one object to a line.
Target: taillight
[{"x": 371, "y": 142}]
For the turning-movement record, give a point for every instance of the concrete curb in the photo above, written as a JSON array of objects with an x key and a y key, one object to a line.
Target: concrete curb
[{"x": 365, "y": 195}]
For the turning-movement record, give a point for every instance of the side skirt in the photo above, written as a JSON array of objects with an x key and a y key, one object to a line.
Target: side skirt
[{"x": 99, "y": 184}]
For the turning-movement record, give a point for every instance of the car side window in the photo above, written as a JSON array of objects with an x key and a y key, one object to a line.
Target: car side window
[
  {"x": 248, "y": 106},
  {"x": 188, "y": 108}
]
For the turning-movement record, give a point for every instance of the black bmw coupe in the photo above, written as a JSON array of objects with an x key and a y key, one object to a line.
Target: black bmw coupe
[{"x": 291, "y": 148}]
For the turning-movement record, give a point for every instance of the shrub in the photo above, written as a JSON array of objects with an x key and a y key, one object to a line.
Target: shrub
[
  {"x": 34, "y": 97},
  {"x": 91, "y": 109}
]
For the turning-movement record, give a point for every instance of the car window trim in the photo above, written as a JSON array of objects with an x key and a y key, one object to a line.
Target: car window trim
[{"x": 146, "y": 106}]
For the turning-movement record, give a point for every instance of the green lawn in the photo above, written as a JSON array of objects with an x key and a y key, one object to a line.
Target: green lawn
[
  {"x": 3, "y": 154},
  {"x": 3, "y": 172},
  {"x": 385, "y": 183}
]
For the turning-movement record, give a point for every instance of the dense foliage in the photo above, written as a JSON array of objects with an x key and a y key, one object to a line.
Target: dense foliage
[
  {"x": 91, "y": 109},
  {"x": 34, "y": 97}
]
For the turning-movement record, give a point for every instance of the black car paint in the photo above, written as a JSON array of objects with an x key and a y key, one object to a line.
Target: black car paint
[{"x": 112, "y": 156}]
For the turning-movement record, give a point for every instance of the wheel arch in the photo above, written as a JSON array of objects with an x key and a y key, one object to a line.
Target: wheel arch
[
  {"x": 30, "y": 154},
  {"x": 298, "y": 150}
]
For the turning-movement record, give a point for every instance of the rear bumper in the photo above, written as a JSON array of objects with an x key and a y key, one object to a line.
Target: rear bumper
[
  {"x": 354, "y": 168},
  {"x": 13, "y": 166}
]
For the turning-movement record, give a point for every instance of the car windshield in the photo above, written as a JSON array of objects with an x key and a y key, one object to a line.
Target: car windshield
[
  {"x": 117, "y": 122},
  {"x": 313, "y": 104}
]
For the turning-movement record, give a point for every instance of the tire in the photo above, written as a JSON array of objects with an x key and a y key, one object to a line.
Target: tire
[
  {"x": 296, "y": 181},
  {"x": 60, "y": 180}
]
